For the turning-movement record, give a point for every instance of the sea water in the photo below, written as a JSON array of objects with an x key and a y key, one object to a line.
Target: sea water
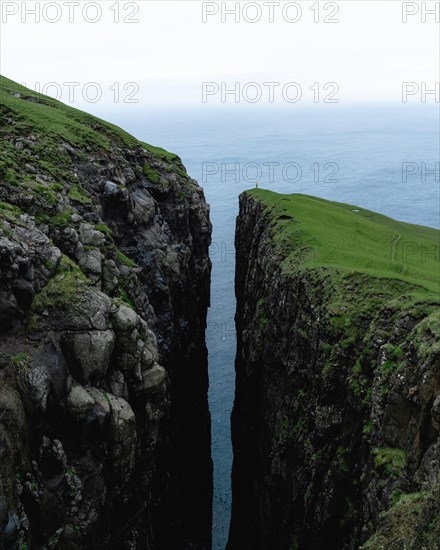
[{"x": 378, "y": 157}]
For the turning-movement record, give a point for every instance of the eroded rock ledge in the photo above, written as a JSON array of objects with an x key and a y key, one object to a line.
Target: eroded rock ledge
[
  {"x": 335, "y": 425},
  {"x": 104, "y": 288}
]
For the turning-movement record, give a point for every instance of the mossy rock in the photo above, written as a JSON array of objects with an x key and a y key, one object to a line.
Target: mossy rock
[{"x": 63, "y": 288}]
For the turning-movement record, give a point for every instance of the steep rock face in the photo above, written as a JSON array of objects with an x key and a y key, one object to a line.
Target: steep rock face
[
  {"x": 335, "y": 423},
  {"x": 104, "y": 288}
]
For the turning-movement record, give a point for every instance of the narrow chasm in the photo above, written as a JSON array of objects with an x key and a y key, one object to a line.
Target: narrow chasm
[{"x": 105, "y": 428}]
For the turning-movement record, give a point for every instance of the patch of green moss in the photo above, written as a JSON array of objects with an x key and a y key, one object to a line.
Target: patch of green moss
[
  {"x": 42, "y": 219},
  {"x": 427, "y": 336},
  {"x": 159, "y": 152},
  {"x": 367, "y": 397},
  {"x": 78, "y": 194},
  {"x": 57, "y": 187},
  {"x": 358, "y": 382},
  {"x": 5, "y": 230},
  {"x": 9, "y": 212},
  {"x": 411, "y": 522},
  {"x": 61, "y": 220},
  {"x": 368, "y": 427},
  {"x": 182, "y": 172},
  {"x": 390, "y": 461},
  {"x": 326, "y": 370},
  {"x": 126, "y": 298},
  {"x": 182, "y": 194},
  {"x": 340, "y": 323},
  {"x": 389, "y": 366},
  {"x": 300, "y": 394},
  {"x": 10, "y": 176},
  {"x": 103, "y": 228},
  {"x": 291, "y": 430},
  {"x": 62, "y": 289},
  {"x": 341, "y": 459},
  {"x": 107, "y": 398},
  {"x": 125, "y": 260},
  {"x": 21, "y": 361},
  {"x": 151, "y": 174},
  {"x": 46, "y": 193}
]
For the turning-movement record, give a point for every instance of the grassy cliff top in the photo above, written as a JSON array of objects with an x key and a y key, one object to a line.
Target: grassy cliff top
[
  {"x": 54, "y": 119},
  {"x": 54, "y": 157},
  {"x": 350, "y": 239}
]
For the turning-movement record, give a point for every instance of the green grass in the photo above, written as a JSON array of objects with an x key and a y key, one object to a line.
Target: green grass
[
  {"x": 391, "y": 461},
  {"x": 151, "y": 174},
  {"x": 78, "y": 194},
  {"x": 125, "y": 260},
  {"x": 159, "y": 152},
  {"x": 390, "y": 364},
  {"x": 325, "y": 234},
  {"x": 10, "y": 176},
  {"x": 9, "y": 212},
  {"x": 126, "y": 298},
  {"x": 21, "y": 361},
  {"x": 411, "y": 522},
  {"x": 61, "y": 220},
  {"x": 428, "y": 334},
  {"x": 63, "y": 288},
  {"x": 55, "y": 119},
  {"x": 103, "y": 228},
  {"x": 341, "y": 459},
  {"x": 44, "y": 125}
]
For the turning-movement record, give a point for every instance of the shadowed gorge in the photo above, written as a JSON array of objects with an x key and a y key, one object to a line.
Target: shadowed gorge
[
  {"x": 104, "y": 289},
  {"x": 105, "y": 431},
  {"x": 336, "y": 417}
]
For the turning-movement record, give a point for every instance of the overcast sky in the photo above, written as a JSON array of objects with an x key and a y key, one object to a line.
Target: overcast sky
[{"x": 170, "y": 51}]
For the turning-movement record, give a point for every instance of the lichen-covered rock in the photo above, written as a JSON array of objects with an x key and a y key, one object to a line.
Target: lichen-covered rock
[{"x": 104, "y": 288}]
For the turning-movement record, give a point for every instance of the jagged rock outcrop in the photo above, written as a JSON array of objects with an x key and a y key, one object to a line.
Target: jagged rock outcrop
[
  {"x": 335, "y": 424},
  {"x": 104, "y": 288}
]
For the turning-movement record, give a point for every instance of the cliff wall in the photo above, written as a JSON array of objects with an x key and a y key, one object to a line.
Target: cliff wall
[
  {"x": 336, "y": 417},
  {"x": 104, "y": 289}
]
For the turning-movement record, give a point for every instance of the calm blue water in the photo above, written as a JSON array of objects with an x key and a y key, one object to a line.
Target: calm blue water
[{"x": 365, "y": 147}]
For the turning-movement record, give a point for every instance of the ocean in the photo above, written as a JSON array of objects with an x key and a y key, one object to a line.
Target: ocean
[{"x": 379, "y": 157}]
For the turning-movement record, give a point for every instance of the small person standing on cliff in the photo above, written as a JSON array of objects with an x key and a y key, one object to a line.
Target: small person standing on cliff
[{"x": 257, "y": 183}]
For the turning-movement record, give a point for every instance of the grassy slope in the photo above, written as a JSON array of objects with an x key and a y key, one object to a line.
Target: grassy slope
[
  {"x": 42, "y": 168},
  {"x": 59, "y": 120},
  {"x": 39, "y": 178},
  {"x": 332, "y": 235}
]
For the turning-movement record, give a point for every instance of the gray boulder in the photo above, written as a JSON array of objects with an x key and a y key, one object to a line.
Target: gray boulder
[
  {"x": 79, "y": 403},
  {"x": 123, "y": 438},
  {"x": 89, "y": 353},
  {"x": 154, "y": 378}
]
